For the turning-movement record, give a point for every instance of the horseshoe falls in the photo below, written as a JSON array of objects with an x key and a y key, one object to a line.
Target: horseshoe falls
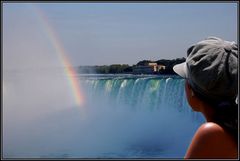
[{"x": 124, "y": 116}]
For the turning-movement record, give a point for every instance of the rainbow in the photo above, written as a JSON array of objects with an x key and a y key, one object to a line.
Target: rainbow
[{"x": 68, "y": 68}]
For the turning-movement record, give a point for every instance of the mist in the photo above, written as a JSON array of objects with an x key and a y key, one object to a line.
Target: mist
[
  {"x": 105, "y": 131},
  {"x": 34, "y": 83},
  {"x": 44, "y": 123}
]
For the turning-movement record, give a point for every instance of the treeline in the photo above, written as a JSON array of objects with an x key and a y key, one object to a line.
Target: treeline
[
  {"x": 105, "y": 69},
  {"x": 126, "y": 69}
]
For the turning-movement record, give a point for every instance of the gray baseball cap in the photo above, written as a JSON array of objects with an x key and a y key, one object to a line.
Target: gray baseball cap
[{"x": 211, "y": 68}]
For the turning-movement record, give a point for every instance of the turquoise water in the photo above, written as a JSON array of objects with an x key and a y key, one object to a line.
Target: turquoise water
[{"x": 124, "y": 116}]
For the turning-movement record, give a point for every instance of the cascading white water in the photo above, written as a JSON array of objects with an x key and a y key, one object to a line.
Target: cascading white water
[
  {"x": 125, "y": 117},
  {"x": 153, "y": 111},
  {"x": 138, "y": 92}
]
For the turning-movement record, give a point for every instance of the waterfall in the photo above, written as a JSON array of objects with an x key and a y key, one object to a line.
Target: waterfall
[
  {"x": 125, "y": 116},
  {"x": 152, "y": 93}
]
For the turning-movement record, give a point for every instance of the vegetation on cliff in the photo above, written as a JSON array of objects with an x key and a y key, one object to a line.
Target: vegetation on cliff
[{"x": 127, "y": 69}]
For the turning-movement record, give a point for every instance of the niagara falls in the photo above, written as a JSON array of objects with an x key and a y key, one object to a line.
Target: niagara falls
[
  {"x": 124, "y": 116},
  {"x": 96, "y": 80}
]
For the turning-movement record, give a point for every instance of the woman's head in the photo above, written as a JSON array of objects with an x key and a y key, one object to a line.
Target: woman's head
[
  {"x": 211, "y": 69},
  {"x": 211, "y": 73}
]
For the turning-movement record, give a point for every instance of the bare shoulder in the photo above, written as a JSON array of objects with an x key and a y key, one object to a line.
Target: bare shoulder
[
  {"x": 212, "y": 134},
  {"x": 209, "y": 129},
  {"x": 212, "y": 141}
]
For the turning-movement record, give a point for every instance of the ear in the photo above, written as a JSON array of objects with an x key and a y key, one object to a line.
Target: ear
[
  {"x": 188, "y": 89},
  {"x": 193, "y": 101}
]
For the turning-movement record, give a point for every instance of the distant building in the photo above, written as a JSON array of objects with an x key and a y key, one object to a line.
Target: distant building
[
  {"x": 151, "y": 68},
  {"x": 154, "y": 66}
]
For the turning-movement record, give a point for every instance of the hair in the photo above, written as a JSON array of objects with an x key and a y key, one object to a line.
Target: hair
[{"x": 225, "y": 113}]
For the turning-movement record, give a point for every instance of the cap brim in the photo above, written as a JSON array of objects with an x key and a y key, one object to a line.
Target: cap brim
[{"x": 181, "y": 69}]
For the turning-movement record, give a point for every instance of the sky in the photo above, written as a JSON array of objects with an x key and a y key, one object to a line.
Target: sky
[{"x": 109, "y": 33}]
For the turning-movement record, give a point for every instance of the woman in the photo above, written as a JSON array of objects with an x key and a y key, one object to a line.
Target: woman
[{"x": 211, "y": 73}]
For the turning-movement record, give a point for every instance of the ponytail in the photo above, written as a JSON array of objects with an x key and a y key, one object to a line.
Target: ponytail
[{"x": 226, "y": 115}]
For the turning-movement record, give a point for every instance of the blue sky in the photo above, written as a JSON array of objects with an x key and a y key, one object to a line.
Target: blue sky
[{"x": 113, "y": 33}]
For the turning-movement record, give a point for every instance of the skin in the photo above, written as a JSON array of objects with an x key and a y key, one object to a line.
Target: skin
[{"x": 211, "y": 141}]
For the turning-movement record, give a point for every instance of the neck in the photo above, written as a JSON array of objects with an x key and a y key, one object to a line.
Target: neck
[{"x": 208, "y": 112}]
